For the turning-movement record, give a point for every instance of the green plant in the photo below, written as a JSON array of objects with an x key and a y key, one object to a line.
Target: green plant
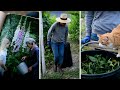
[
  {"x": 83, "y": 27},
  {"x": 82, "y": 14},
  {"x": 14, "y": 59},
  {"x": 74, "y": 26},
  {"x": 47, "y": 22},
  {"x": 98, "y": 64},
  {"x": 46, "y": 25},
  {"x": 48, "y": 57},
  {"x": 52, "y": 19}
]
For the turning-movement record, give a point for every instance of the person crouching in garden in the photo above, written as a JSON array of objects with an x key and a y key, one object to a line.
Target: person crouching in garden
[
  {"x": 33, "y": 58},
  {"x": 3, "y": 53},
  {"x": 56, "y": 39}
]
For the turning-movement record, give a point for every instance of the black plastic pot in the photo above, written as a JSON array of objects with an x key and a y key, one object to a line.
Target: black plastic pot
[{"x": 110, "y": 75}]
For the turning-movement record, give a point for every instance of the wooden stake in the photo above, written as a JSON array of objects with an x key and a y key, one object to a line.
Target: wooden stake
[{"x": 42, "y": 58}]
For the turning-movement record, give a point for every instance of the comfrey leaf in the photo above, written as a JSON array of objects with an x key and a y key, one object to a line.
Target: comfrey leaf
[{"x": 93, "y": 59}]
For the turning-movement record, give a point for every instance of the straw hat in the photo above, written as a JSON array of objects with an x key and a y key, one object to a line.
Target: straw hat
[{"x": 63, "y": 18}]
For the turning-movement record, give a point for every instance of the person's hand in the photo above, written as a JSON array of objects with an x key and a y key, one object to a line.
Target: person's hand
[
  {"x": 6, "y": 69},
  {"x": 30, "y": 69},
  {"x": 94, "y": 37},
  {"x": 23, "y": 58},
  {"x": 85, "y": 40},
  {"x": 49, "y": 43}
]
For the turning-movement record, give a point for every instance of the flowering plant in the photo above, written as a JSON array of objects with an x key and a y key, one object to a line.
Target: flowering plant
[
  {"x": 26, "y": 35},
  {"x": 18, "y": 36}
]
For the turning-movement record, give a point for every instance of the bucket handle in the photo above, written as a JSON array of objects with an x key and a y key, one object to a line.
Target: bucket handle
[
  {"x": 97, "y": 48},
  {"x": 91, "y": 42}
]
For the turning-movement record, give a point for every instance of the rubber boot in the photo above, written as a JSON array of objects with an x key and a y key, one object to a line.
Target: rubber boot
[
  {"x": 55, "y": 67},
  {"x": 60, "y": 69}
]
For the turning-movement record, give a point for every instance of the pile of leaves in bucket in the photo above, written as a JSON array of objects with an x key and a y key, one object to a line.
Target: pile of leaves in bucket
[{"x": 97, "y": 64}]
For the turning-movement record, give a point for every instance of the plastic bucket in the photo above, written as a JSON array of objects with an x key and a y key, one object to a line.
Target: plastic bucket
[
  {"x": 22, "y": 67},
  {"x": 1, "y": 71}
]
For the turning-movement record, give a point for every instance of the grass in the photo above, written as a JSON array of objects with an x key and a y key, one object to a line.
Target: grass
[
  {"x": 68, "y": 74},
  {"x": 74, "y": 46},
  {"x": 82, "y": 28}
]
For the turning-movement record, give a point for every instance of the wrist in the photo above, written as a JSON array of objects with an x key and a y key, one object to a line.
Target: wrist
[
  {"x": 88, "y": 37},
  {"x": 88, "y": 34}
]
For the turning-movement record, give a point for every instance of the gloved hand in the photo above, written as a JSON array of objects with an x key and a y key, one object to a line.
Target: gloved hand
[
  {"x": 94, "y": 37},
  {"x": 85, "y": 40},
  {"x": 49, "y": 43}
]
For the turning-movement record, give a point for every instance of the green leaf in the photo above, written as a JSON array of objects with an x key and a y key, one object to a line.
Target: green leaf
[
  {"x": 83, "y": 71},
  {"x": 93, "y": 59}
]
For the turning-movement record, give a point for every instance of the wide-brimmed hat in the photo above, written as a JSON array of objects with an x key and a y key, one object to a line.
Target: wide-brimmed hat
[{"x": 63, "y": 18}]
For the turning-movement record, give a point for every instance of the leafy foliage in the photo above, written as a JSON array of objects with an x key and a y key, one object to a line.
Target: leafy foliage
[
  {"x": 47, "y": 22},
  {"x": 98, "y": 64},
  {"x": 14, "y": 59},
  {"x": 48, "y": 57},
  {"x": 74, "y": 25},
  {"x": 82, "y": 14},
  {"x": 83, "y": 32}
]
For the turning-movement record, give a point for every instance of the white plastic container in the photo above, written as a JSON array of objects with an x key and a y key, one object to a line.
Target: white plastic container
[
  {"x": 22, "y": 67},
  {"x": 1, "y": 71}
]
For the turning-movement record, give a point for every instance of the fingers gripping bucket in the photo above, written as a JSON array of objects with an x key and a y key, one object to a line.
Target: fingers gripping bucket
[
  {"x": 115, "y": 74},
  {"x": 22, "y": 67}
]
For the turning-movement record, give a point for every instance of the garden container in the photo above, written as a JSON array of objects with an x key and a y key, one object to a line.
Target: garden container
[
  {"x": 1, "y": 71},
  {"x": 115, "y": 74},
  {"x": 22, "y": 67}
]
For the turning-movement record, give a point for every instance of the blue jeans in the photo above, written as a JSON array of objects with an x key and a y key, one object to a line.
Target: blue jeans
[{"x": 58, "y": 51}]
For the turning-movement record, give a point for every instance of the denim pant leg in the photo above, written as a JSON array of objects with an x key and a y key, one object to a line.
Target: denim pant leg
[
  {"x": 61, "y": 53},
  {"x": 55, "y": 51}
]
